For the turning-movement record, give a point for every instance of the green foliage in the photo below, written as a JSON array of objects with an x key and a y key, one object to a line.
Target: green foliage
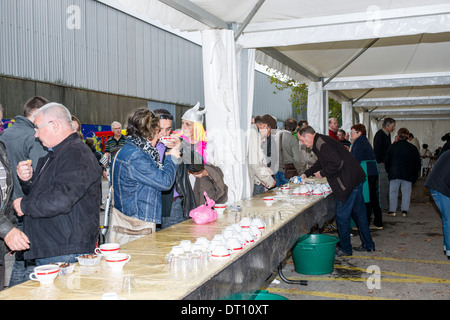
[
  {"x": 299, "y": 94},
  {"x": 299, "y": 91}
]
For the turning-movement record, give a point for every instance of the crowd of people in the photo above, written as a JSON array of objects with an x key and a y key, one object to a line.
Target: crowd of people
[{"x": 51, "y": 191}]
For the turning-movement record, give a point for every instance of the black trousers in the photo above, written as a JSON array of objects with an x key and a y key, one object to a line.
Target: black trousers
[{"x": 374, "y": 205}]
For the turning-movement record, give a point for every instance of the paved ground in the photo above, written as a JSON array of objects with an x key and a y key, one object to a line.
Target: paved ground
[{"x": 409, "y": 256}]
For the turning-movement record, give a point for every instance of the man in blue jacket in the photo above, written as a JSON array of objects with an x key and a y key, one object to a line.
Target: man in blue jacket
[{"x": 63, "y": 195}]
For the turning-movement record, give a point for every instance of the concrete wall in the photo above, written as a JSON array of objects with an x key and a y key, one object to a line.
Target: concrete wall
[{"x": 89, "y": 106}]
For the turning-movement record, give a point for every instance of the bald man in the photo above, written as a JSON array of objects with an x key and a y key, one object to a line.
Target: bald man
[{"x": 63, "y": 195}]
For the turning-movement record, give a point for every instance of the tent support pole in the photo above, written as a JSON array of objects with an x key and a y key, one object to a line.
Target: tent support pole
[{"x": 371, "y": 43}]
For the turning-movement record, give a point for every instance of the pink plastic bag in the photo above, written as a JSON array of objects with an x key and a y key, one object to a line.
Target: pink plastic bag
[{"x": 204, "y": 214}]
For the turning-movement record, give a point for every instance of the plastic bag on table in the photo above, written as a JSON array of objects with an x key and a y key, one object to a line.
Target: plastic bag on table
[{"x": 204, "y": 214}]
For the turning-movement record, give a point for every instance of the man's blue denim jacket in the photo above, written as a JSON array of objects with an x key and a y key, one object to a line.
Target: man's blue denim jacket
[{"x": 138, "y": 183}]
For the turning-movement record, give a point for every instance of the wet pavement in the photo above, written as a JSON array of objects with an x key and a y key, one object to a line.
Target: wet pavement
[{"x": 408, "y": 264}]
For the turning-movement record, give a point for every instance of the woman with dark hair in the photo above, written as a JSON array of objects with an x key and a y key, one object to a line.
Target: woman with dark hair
[
  {"x": 402, "y": 165},
  {"x": 363, "y": 152},
  {"x": 137, "y": 175}
]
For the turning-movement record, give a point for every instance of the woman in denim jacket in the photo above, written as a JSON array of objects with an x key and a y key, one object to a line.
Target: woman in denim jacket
[{"x": 137, "y": 175}]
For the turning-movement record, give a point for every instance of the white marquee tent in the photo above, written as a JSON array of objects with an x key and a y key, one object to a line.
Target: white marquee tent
[{"x": 378, "y": 58}]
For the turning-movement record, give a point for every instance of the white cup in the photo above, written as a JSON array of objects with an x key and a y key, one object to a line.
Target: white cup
[
  {"x": 236, "y": 227},
  {"x": 220, "y": 251},
  {"x": 177, "y": 250},
  {"x": 317, "y": 192},
  {"x": 203, "y": 241},
  {"x": 256, "y": 232},
  {"x": 107, "y": 249},
  {"x": 304, "y": 191},
  {"x": 117, "y": 261},
  {"x": 247, "y": 237},
  {"x": 245, "y": 222},
  {"x": 241, "y": 239},
  {"x": 268, "y": 201},
  {"x": 214, "y": 243},
  {"x": 220, "y": 237},
  {"x": 234, "y": 245},
  {"x": 186, "y": 245},
  {"x": 228, "y": 232},
  {"x": 166, "y": 139},
  {"x": 219, "y": 208},
  {"x": 258, "y": 223},
  {"x": 285, "y": 189},
  {"x": 45, "y": 274}
]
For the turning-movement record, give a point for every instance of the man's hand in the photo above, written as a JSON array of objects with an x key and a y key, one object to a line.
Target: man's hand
[
  {"x": 317, "y": 175},
  {"x": 16, "y": 206},
  {"x": 200, "y": 174},
  {"x": 16, "y": 240},
  {"x": 24, "y": 170}
]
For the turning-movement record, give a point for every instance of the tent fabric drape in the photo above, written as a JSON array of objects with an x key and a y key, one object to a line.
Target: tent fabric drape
[{"x": 226, "y": 137}]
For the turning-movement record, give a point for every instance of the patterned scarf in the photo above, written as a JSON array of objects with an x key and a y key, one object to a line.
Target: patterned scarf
[{"x": 147, "y": 147}]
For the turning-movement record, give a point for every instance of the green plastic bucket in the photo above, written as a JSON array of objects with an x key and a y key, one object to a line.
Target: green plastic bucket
[{"x": 314, "y": 254}]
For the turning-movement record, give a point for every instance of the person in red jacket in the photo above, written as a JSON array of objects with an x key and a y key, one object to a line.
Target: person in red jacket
[{"x": 333, "y": 127}]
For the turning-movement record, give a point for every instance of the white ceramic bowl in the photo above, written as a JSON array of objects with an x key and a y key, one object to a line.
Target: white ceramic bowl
[
  {"x": 258, "y": 223},
  {"x": 234, "y": 245},
  {"x": 117, "y": 261},
  {"x": 219, "y": 208},
  {"x": 220, "y": 251},
  {"x": 268, "y": 201},
  {"x": 89, "y": 259},
  {"x": 247, "y": 237},
  {"x": 65, "y": 268}
]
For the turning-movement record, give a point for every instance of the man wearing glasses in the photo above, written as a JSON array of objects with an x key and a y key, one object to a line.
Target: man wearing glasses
[
  {"x": 60, "y": 208},
  {"x": 116, "y": 142}
]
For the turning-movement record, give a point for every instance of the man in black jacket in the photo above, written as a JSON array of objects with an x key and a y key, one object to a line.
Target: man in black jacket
[
  {"x": 402, "y": 164},
  {"x": 63, "y": 195},
  {"x": 345, "y": 176},
  {"x": 381, "y": 143}
]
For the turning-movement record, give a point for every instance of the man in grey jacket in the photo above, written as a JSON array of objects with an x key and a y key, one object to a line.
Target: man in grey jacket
[
  {"x": 21, "y": 144},
  {"x": 289, "y": 152},
  {"x": 11, "y": 238}
]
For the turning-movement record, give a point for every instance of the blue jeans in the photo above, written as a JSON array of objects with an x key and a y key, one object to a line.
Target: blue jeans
[
  {"x": 443, "y": 203},
  {"x": 406, "y": 187},
  {"x": 354, "y": 207},
  {"x": 280, "y": 178},
  {"x": 258, "y": 189},
  {"x": 176, "y": 214}
]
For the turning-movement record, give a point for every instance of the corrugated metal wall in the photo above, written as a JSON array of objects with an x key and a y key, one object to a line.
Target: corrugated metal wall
[
  {"x": 110, "y": 52},
  {"x": 266, "y": 102},
  {"x": 86, "y": 44}
]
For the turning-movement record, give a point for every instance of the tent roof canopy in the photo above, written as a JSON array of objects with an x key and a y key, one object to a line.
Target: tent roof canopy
[{"x": 382, "y": 55}]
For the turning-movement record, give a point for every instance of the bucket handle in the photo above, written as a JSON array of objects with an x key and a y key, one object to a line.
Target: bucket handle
[{"x": 306, "y": 247}]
